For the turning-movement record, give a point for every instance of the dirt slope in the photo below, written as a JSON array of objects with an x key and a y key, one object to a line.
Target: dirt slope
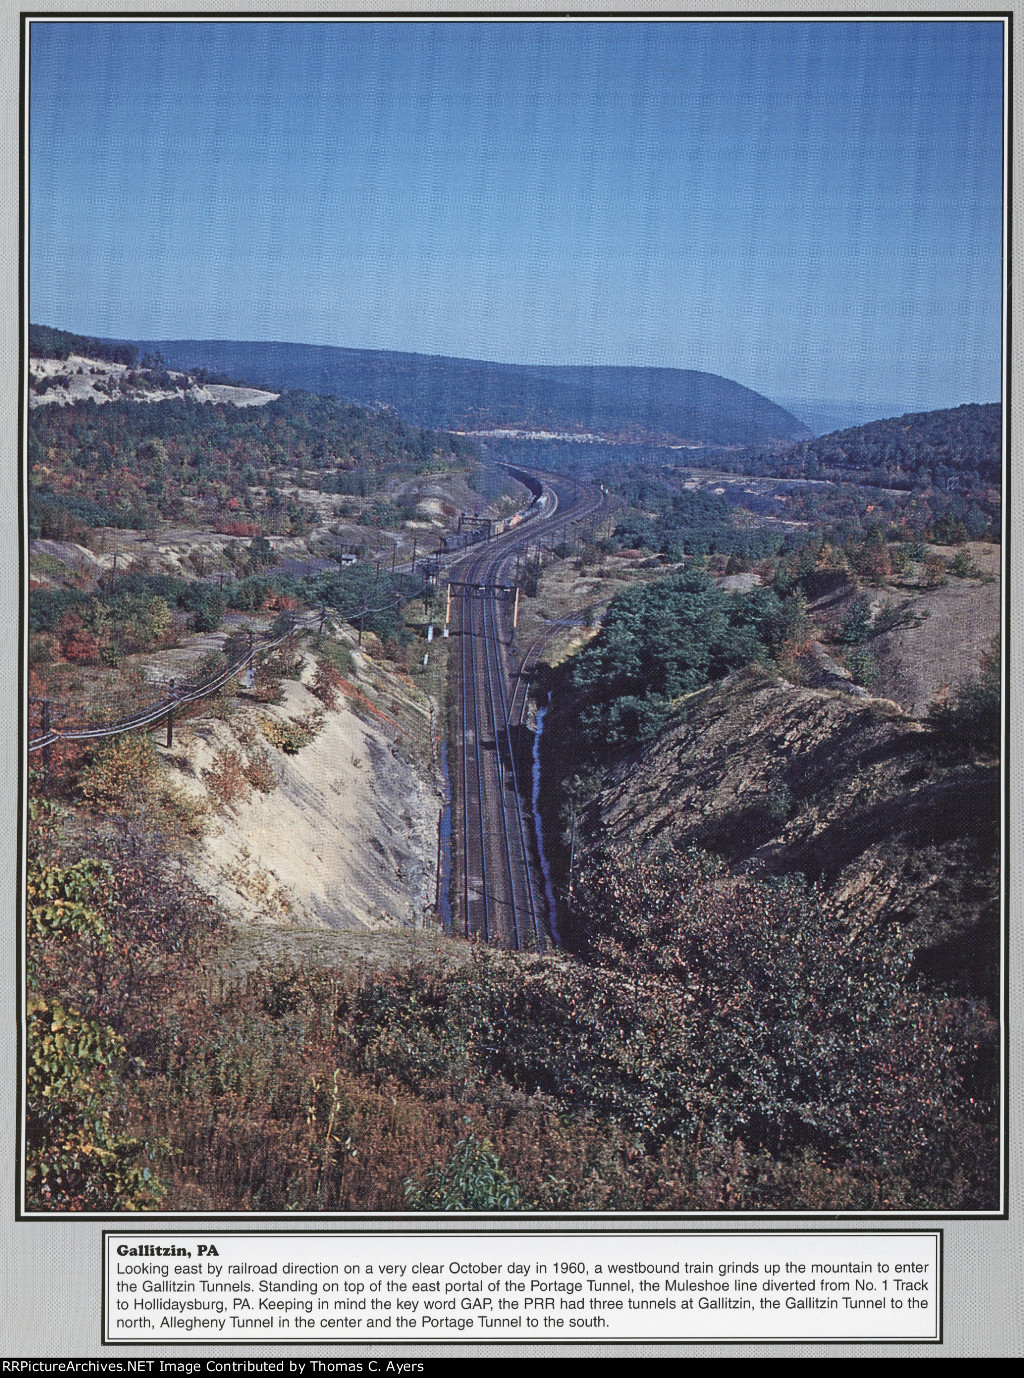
[{"x": 348, "y": 837}]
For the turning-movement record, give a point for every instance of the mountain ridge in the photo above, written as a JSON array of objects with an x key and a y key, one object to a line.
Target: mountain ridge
[{"x": 617, "y": 400}]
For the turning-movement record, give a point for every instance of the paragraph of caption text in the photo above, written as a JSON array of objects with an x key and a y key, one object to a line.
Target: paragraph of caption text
[{"x": 218, "y": 1287}]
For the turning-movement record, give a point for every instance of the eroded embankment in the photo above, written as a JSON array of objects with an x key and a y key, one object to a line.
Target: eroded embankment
[{"x": 347, "y": 837}]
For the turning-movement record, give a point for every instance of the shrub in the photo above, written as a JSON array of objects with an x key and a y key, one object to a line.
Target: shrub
[
  {"x": 961, "y": 565},
  {"x": 260, "y": 553},
  {"x": 765, "y": 1019},
  {"x": 861, "y": 665},
  {"x": 856, "y": 624},
  {"x": 325, "y": 684},
  {"x": 899, "y": 559},
  {"x": 266, "y": 683},
  {"x": 471, "y": 1180},
  {"x": 236, "y": 528},
  {"x": 60, "y": 898},
  {"x": 259, "y": 771},
  {"x": 227, "y": 778},
  {"x": 778, "y": 803},
  {"x": 76, "y": 1158},
  {"x": 949, "y": 530},
  {"x": 123, "y": 772},
  {"x": 337, "y": 654},
  {"x": 179, "y": 814},
  {"x": 295, "y": 733},
  {"x": 207, "y": 605},
  {"x": 80, "y": 647},
  {"x": 889, "y": 617},
  {"x": 248, "y": 595},
  {"x": 971, "y": 720},
  {"x": 209, "y": 666},
  {"x": 291, "y": 664},
  {"x": 933, "y": 572},
  {"x": 873, "y": 562}
]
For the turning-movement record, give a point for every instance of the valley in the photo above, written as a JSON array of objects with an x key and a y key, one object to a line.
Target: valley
[{"x": 715, "y": 724}]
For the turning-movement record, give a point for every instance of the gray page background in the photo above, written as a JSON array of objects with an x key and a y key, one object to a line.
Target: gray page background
[{"x": 50, "y": 1272}]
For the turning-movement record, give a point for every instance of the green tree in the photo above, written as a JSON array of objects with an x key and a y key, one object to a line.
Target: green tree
[
  {"x": 471, "y": 1180},
  {"x": 856, "y": 624},
  {"x": 77, "y": 1157}
]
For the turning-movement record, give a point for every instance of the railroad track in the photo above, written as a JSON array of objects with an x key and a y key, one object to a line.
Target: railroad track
[{"x": 499, "y": 891}]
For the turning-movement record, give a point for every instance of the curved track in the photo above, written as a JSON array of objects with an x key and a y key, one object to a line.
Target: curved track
[{"x": 499, "y": 891}]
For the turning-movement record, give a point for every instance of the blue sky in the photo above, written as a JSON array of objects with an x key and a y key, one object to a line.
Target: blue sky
[{"x": 811, "y": 209}]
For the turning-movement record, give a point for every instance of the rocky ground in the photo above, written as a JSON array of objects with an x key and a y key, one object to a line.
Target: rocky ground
[
  {"x": 853, "y": 793},
  {"x": 77, "y": 379}
]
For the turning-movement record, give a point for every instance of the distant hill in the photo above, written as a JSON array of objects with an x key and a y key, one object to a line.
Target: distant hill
[
  {"x": 46, "y": 342},
  {"x": 649, "y": 404},
  {"x": 955, "y": 448}
]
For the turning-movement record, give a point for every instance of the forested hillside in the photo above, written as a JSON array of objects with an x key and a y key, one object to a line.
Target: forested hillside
[
  {"x": 46, "y": 342},
  {"x": 128, "y": 464},
  {"x": 642, "y": 403},
  {"x": 959, "y": 449},
  {"x": 657, "y": 642}
]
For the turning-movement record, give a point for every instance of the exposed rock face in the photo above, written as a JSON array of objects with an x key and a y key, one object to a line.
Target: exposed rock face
[
  {"x": 852, "y": 793},
  {"x": 77, "y": 379},
  {"x": 348, "y": 837}
]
